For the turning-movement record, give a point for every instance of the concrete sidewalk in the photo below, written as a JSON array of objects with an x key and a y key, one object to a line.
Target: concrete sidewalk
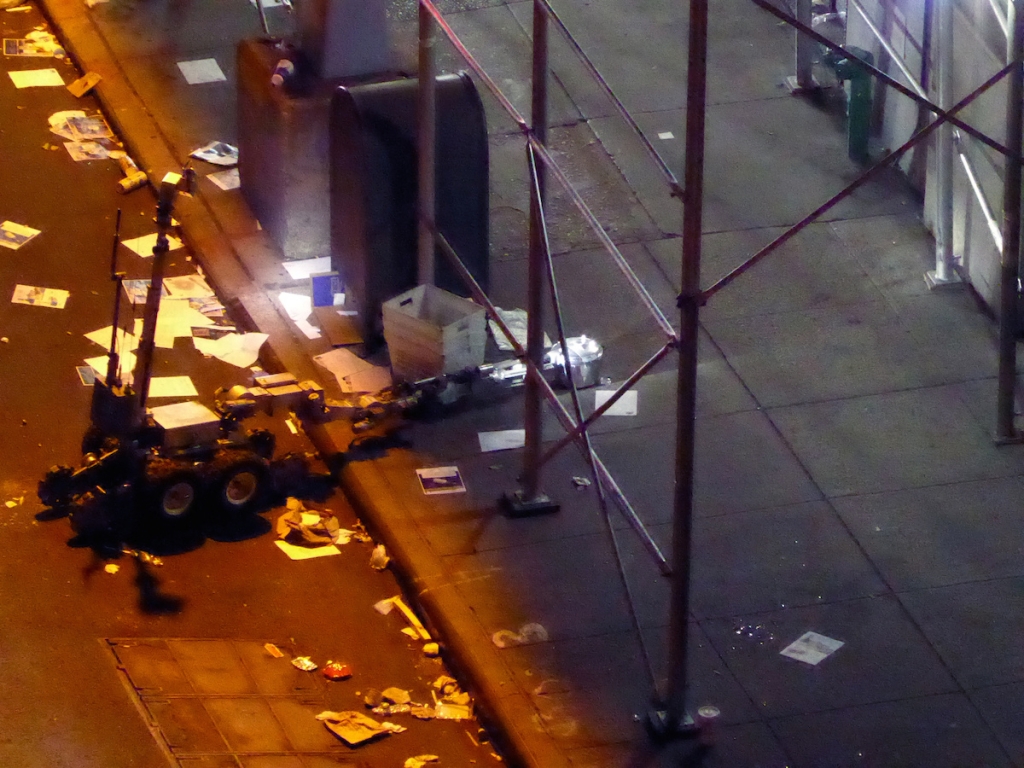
[{"x": 847, "y": 482}]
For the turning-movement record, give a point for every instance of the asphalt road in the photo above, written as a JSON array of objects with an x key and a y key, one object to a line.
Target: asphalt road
[{"x": 64, "y": 702}]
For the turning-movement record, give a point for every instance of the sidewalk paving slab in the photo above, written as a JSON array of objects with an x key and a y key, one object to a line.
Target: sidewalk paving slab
[
  {"x": 940, "y": 535},
  {"x": 942, "y": 730}
]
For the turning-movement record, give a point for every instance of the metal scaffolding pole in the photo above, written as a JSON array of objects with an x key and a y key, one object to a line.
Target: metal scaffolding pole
[
  {"x": 1003, "y": 21},
  {"x": 803, "y": 80},
  {"x": 979, "y": 196},
  {"x": 1009, "y": 262},
  {"x": 426, "y": 149},
  {"x": 675, "y": 717},
  {"x": 944, "y": 273},
  {"x": 529, "y": 500}
]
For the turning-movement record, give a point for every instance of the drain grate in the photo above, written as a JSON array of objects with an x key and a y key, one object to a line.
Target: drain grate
[{"x": 227, "y": 704}]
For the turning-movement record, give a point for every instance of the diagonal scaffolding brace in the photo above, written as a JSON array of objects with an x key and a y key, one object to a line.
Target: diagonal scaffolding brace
[
  {"x": 911, "y": 94},
  {"x": 675, "y": 188},
  {"x": 550, "y": 164},
  {"x": 856, "y": 184},
  {"x": 561, "y": 413},
  {"x": 602, "y": 496}
]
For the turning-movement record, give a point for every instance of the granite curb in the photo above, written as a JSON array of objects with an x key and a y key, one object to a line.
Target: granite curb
[{"x": 467, "y": 645}]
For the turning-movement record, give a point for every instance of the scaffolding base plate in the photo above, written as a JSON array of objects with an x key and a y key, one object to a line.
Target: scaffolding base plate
[
  {"x": 517, "y": 505},
  {"x": 795, "y": 89},
  {"x": 952, "y": 280},
  {"x": 662, "y": 728},
  {"x": 1015, "y": 439}
]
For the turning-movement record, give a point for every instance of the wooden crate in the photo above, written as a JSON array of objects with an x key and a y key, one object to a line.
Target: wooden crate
[{"x": 430, "y": 332}]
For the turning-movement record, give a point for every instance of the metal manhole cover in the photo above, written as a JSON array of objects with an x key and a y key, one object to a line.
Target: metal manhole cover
[{"x": 226, "y": 704}]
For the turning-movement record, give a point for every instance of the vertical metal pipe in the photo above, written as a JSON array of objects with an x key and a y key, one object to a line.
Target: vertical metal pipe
[
  {"x": 979, "y": 196},
  {"x": 686, "y": 392},
  {"x": 926, "y": 48},
  {"x": 147, "y": 340},
  {"x": 804, "y": 48},
  {"x": 539, "y": 103},
  {"x": 263, "y": 18},
  {"x": 426, "y": 149},
  {"x": 536, "y": 278},
  {"x": 1009, "y": 277},
  {"x": 113, "y": 360},
  {"x": 1003, "y": 21},
  {"x": 944, "y": 150},
  {"x": 917, "y": 170}
]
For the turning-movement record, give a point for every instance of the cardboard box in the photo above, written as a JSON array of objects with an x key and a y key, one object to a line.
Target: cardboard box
[{"x": 430, "y": 332}]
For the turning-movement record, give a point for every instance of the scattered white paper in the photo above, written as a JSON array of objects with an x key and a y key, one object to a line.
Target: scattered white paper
[
  {"x": 126, "y": 342},
  {"x": 240, "y": 349},
  {"x": 665, "y": 135},
  {"x": 306, "y": 553},
  {"x": 226, "y": 180},
  {"x": 624, "y": 406},
  {"x": 187, "y": 414},
  {"x": 528, "y": 634},
  {"x": 187, "y": 287},
  {"x": 172, "y": 386},
  {"x": 137, "y": 290},
  {"x": 14, "y": 236},
  {"x": 175, "y": 319},
  {"x": 201, "y": 71},
  {"x": 502, "y": 440},
  {"x": 59, "y": 122},
  {"x": 42, "y": 37},
  {"x": 384, "y": 607},
  {"x": 516, "y": 320},
  {"x": 812, "y": 648},
  {"x": 86, "y": 375},
  {"x": 126, "y": 364},
  {"x": 296, "y": 305},
  {"x": 218, "y": 153},
  {"x": 144, "y": 245},
  {"x": 299, "y": 307},
  {"x": 302, "y": 269},
  {"x": 35, "y": 43},
  {"x": 437, "y": 480},
  {"x": 208, "y": 306},
  {"x": 86, "y": 150},
  {"x": 83, "y": 127},
  {"x": 352, "y": 372},
  {"x": 36, "y": 78},
  {"x": 84, "y": 84},
  {"x": 43, "y": 297},
  {"x": 309, "y": 330}
]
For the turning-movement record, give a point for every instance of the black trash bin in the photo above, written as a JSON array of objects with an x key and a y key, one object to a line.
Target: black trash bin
[{"x": 373, "y": 197}]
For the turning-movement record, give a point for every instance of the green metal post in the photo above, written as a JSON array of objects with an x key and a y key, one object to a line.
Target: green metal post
[{"x": 858, "y": 109}]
